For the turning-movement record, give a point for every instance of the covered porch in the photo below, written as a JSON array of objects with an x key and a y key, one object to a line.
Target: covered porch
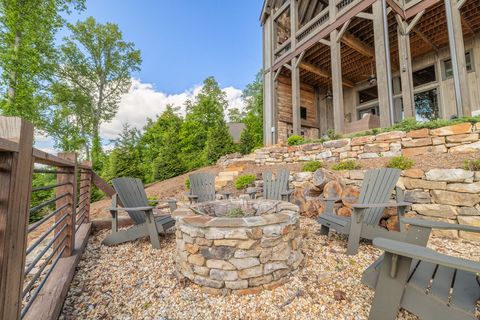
[{"x": 357, "y": 65}]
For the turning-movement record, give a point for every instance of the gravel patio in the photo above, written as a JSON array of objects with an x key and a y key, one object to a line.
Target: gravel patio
[{"x": 134, "y": 281}]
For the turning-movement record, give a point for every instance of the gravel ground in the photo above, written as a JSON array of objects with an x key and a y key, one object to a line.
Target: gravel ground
[{"x": 134, "y": 281}]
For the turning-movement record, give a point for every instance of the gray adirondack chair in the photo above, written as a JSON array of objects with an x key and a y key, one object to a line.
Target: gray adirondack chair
[
  {"x": 376, "y": 189},
  {"x": 274, "y": 188},
  {"x": 431, "y": 285},
  {"x": 202, "y": 188},
  {"x": 131, "y": 194}
]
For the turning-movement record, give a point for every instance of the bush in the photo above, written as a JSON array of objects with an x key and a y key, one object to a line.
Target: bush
[
  {"x": 332, "y": 135},
  {"x": 244, "y": 181},
  {"x": 346, "y": 165},
  {"x": 187, "y": 183},
  {"x": 472, "y": 165},
  {"x": 295, "y": 140},
  {"x": 312, "y": 166},
  {"x": 400, "y": 162}
]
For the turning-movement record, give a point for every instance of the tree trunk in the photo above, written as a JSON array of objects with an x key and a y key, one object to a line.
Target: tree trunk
[{"x": 12, "y": 85}]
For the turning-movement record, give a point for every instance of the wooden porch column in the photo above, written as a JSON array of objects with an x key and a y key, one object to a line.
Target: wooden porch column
[
  {"x": 383, "y": 85},
  {"x": 457, "y": 54},
  {"x": 337, "y": 87},
  {"x": 296, "y": 120},
  {"x": 16, "y": 169},
  {"x": 268, "y": 87},
  {"x": 406, "y": 76}
]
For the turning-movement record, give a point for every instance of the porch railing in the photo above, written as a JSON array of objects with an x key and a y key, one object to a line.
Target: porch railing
[{"x": 37, "y": 259}]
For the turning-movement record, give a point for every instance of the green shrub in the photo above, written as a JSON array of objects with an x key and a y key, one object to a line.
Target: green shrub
[
  {"x": 237, "y": 212},
  {"x": 473, "y": 165},
  {"x": 187, "y": 183},
  {"x": 312, "y": 166},
  {"x": 346, "y": 165},
  {"x": 244, "y": 181},
  {"x": 295, "y": 140},
  {"x": 400, "y": 162},
  {"x": 332, "y": 135}
]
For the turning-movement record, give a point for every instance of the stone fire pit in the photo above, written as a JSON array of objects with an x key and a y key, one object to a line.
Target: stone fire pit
[{"x": 244, "y": 246}]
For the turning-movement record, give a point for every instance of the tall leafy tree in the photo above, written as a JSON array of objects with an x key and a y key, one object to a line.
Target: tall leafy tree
[
  {"x": 205, "y": 116},
  {"x": 98, "y": 63},
  {"x": 161, "y": 146},
  {"x": 125, "y": 159},
  {"x": 28, "y": 55},
  {"x": 252, "y": 136}
]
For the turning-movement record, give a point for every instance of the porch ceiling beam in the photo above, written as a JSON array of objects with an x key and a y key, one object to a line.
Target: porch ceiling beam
[
  {"x": 361, "y": 6},
  {"x": 323, "y": 73},
  {"x": 357, "y": 45},
  {"x": 422, "y": 36}
]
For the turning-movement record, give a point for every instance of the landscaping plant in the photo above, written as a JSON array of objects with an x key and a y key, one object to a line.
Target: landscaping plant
[
  {"x": 400, "y": 162},
  {"x": 312, "y": 166},
  {"x": 295, "y": 140},
  {"x": 472, "y": 165},
  {"x": 346, "y": 165},
  {"x": 242, "y": 182}
]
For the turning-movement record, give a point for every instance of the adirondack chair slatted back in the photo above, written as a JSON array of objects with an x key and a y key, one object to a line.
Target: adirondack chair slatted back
[
  {"x": 377, "y": 187},
  {"x": 132, "y": 194},
  {"x": 203, "y": 186},
  {"x": 273, "y": 188}
]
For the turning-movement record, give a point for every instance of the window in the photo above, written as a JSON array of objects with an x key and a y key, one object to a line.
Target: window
[
  {"x": 303, "y": 113},
  {"x": 424, "y": 76},
  {"x": 371, "y": 110},
  {"x": 447, "y": 65},
  {"x": 426, "y": 105},
  {"x": 368, "y": 94}
]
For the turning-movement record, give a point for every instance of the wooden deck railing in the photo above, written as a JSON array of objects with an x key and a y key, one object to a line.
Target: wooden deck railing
[{"x": 37, "y": 260}]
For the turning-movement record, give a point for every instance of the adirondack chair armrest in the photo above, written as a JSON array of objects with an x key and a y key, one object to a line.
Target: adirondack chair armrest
[
  {"x": 287, "y": 193},
  {"x": 116, "y": 209},
  {"x": 330, "y": 199},
  {"x": 191, "y": 197},
  {"x": 163, "y": 200},
  {"x": 440, "y": 225},
  {"x": 425, "y": 254},
  {"x": 380, "y": 205}
]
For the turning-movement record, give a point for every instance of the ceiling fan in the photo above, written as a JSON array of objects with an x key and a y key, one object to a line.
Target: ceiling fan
[{"x": 372, "y": 77}]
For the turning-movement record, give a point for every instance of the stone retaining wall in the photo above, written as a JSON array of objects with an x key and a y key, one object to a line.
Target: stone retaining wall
[
  {"x": 449, "y": 195},
  {"x": 458, "y": 138},
  {"x": 242, "y": 255}
]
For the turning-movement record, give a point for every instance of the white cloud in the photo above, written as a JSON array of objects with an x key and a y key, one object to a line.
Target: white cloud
[{"x": 144, "y": 101}]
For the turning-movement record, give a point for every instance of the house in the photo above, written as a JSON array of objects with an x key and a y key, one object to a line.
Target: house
[{"x": 351, "y": 65}]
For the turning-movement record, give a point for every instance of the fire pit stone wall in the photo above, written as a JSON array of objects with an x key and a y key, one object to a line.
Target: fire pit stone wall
[{"x": 244, "y": 254}]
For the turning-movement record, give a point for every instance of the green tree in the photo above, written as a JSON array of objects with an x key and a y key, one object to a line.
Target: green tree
[
  {"x": 205, "y": 120},
  {"x": 252, "y": 136},
  {"x": 125, "y": 159},
  {"x": 161, "y": 146},
  {"x": 28, "y": 57},
  {"x": 96, "y": 61}
]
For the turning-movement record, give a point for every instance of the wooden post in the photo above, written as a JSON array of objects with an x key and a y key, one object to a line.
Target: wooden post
[
  {"x": 71, "y": 199},
  {"x": 293, "y": 23},
  {"x": 383, "y": 84},
  {"x": 406, "y": 77},
  {"x": 268, "y": 88},
  {"x": 296, "y": 120},
  {"x": 85, "y": 191},
  {"x": 16, "y": 169},
  {"x": 337, "y": 88},
  {"x": 457, "y": 53}
]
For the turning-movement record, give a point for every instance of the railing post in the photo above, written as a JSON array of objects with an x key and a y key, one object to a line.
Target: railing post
[
  {"x": 85, "y": 192},
  {"x": 68, "y": 232},
  {"x": 16, "y": 169}
]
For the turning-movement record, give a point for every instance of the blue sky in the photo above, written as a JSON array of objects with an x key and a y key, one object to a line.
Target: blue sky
[{"x": 184, "y": 41}]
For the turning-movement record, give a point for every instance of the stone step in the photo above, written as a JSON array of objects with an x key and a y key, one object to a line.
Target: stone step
[{"x": 228, "y": 175}]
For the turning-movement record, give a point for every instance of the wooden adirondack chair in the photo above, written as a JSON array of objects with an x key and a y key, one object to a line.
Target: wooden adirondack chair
[
  {"x": 131, "y": 195},
  {"x": 274, "y": 188},
  {"x": 202, "y": 188},
  {"x": 431, "y": 285},
  {"x": 376, "y": 189}
]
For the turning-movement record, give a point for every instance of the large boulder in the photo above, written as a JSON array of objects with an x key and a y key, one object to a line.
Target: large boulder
[{"x": 450, "y": 175}]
